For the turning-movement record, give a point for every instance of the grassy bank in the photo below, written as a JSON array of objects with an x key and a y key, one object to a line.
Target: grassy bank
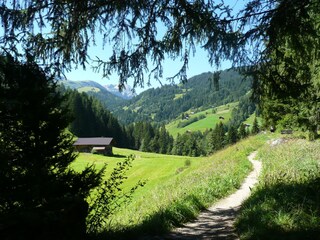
[
  {"x": 177, "y": 187},
  {"x": 286, "y": 204}
]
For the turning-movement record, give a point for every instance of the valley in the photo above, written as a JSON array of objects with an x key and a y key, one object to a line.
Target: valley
[
  {"x": 205, "y": 159},
  {"x": 178, "y": 149},
  {"x": 177, "y": 188}
]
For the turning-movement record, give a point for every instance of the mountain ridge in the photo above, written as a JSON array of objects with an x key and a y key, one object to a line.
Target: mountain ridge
[
  {"x": 165, "y": 103},
  {"x": 95, "y": 89}
]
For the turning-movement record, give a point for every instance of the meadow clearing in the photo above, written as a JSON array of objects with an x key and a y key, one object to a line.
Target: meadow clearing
[
  {"x": 209, "y": 121},
  {"x": 177, "y": 187}
]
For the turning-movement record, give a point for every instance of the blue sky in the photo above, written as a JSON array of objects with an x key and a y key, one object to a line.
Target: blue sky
[{"x": 197, "y": 63}]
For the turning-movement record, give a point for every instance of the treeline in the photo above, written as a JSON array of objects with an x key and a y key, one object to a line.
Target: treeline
[
  {"x": 197, "y": 143},
  {"x": 201, "y": 144},
  {"x": 92, "y": 119},
  {"x": 148, "y": 138}
]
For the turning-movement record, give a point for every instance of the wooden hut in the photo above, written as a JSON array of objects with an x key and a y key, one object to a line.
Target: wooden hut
[{"x": 99, "y": 145}]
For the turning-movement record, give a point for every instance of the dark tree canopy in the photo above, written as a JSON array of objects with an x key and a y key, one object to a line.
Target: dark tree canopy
[
  {"x": 142, "y": 34},
  {"x": 39, "y": 190},
  {"x": 60, "y": 32}
]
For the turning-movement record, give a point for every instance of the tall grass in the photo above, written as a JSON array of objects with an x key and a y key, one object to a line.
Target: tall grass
[
  {"x": 286, "y": 204},
  {"x": 180, "y": 197}
]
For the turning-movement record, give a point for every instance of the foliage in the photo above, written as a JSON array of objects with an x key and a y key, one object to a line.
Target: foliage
[
  {"x": 243, "y": 133},
  {"x": 285, "y": 205},
  {"x": 53, "y": 31},
  {"x": 287, "y": 80},
  {"x": 276, "y": 39},
  {"x": 255, "y": 126},
  {"x": 245, "y": 108},
  {"x": 232, "y": 135},
  {"x": 148, "y": 138},
  {"x": 41, "y": 196},
  {"x": 196, "y": 143},
  {"x": 110, "y": 196},
  {"x": 189, "y": 144},
  {"x": 91, "y": 119},
  {"x": 217, "y": 138}
]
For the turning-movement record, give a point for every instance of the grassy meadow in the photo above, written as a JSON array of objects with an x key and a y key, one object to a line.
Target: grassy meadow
[
  {"x": 286, "y": 203},
  {"x": 177, "y": 188},
  {"x": 210, "y": 120}
]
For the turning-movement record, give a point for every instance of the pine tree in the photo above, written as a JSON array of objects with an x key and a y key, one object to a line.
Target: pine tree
[
  {"x": 232, "y": 135},
  {"x": 177, "y": 148},
  {"x": 242, "y": 131},
  {"x": 217, "y": 139},
  {"x": 41, "y": 196},
  {"x": 255, "y": 126}
]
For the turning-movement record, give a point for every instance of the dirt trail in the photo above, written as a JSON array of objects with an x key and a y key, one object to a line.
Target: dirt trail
[{"x": 217, "y": 222}]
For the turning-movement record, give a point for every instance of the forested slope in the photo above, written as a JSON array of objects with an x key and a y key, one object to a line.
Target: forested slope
[{"x": 199, "y": 92}]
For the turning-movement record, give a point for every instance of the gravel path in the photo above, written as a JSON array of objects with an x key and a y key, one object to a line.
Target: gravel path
[{"x": 217, "y": 222}]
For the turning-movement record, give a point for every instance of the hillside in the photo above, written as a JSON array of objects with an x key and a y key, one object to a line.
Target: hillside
[
  {"x": 170, "y": 102},
  {"x": 92, "y": 88},
  {"x": 160, "y": 105},
  {"x": 201, "y": 121}
]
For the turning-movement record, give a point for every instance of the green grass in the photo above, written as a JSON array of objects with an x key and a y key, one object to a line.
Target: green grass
[
  {"x": 286, "y": 204},
  {"x": 177, "y": 187},
  {"x": 88, "y": 89},
  {"x": 202, "y": 125},
  {"x": 177, "y": 96}
]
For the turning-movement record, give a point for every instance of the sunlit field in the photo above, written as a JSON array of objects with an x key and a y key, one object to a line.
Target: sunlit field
[{"x": 176, "y": 188}]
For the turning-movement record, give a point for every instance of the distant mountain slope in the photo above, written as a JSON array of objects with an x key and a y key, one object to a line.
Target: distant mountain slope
[
  {"x": 92, "y": 88},
  {"x": 201, "y": 121},
  {"x": 125, "y": 93},
  {"x": 168, "y": 102}
]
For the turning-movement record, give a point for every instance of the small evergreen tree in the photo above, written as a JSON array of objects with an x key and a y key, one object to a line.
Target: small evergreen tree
[
  {"x": 255, "y": 126},
  {"x": 177, "y": 145},
  {"x": 217, "y": 138},
  {"x": 242, "y": 131},
  {"x": 232, "y": 135}
]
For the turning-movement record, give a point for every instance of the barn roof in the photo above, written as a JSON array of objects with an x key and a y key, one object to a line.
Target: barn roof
[{"x": 96, "y": 141}]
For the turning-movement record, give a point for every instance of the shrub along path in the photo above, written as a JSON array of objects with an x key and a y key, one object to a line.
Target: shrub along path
[{"x": 217, "y": 222}]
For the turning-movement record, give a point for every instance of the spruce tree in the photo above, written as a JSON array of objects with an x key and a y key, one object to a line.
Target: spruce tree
[
  {"x": 41, "y": 196},
  {"x": 255, "y": 126},
  {"x": 217, "y": 139},
  {"x": 232, "y": 135},
  {"x": 242, "y": 131}
]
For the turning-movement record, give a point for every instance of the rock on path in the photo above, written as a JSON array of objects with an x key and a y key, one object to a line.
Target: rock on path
[{"x": 217, "y": 222}]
